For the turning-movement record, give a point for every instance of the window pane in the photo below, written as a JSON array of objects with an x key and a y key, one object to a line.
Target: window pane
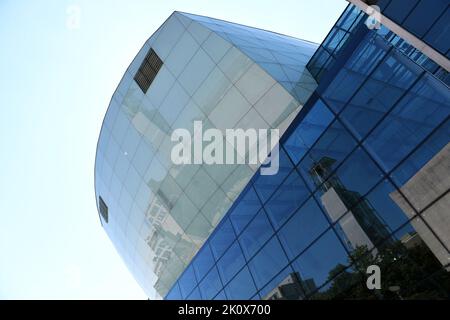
[
  {"x": 222, "y": 238},
  {"x": 231, "y": 262},
  {"x": 265, "y": 186},
  {"x": 174, "y": 293},
  {"x": 242, "y": 286},
  {"x": 256, "y": 234},
  {"x": 304, "y": 227},
  {"x": 379, "y": 93},
  {"x": 320, "y": 262},
  {"x": 268, "y": 262},
  {"x": 187, "y": 281},
  {"x": 285, "y": 286},
  {"x": 357, "y": 175},
  {"x": 210, "y": 285},
  {"x": 408, "y": 260},
  {"x": 352, "y": 75},
  {"x": 419, "y": 112},
  {"x": 245, "y": 209},
  {"x": 423, "y": 154},
  {"x": 195, "y": 295},
  {"x": 326, "y": 155},
  {"x": 220, "y": 296},
  {"x": 203, "y": 261},
  {"x": 307, "y": 131},
  {"x": 290, "y": 195}
]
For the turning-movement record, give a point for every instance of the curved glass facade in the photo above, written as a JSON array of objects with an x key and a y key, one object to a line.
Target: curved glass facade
[
  {"x": 364, "y": 180},
  {"x": 364, "y": 165},
  {"x": 158, "y": 214}
]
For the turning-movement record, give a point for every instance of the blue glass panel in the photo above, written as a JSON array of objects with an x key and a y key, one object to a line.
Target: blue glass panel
[
  {"x": 355, "y": 71},
  {"x": 231, "y": 262},
  {"x": 384, "y": 208},
  {"x": 398, "y": 10},
  {"x": 342, "y": 191},
  {"x": 344, "y": 285},
  {"x": 416, "y": 115},
  {"x": 373, "y": 219},
  {"x": 317, "y": 264},
  {"x": 424, "y": 15},
  {"x": 210, "y": 285},
  {"x": 187, "y": 281},
  {"x": 255, "y": 235},
  {"x": 423, "y": 154},
  {"x": 307, "y": 131},
  {"x": 220, "y": 296},
  {"x": 333, "y": 39},
  {"x": 379, "y": 93},
  {"x": 174, "y": 293},
  {"x": 265, "y": 186},
  {"x": 383, "y": 4},
  {"x": 284, "y": 286},
  {"x": 439, "y": 35},
  {"x": 335, "y": 144},
  {"x": 203, "y": 261},
  {"x": 320, "y": 58},
  {"x": 303, "y": 228},
  {"x": 242, "y": 286},
  {"x": 290, "y": 195},
  {"x": 347, "y": 20},
  {"x": 245, "y": 209},
  {"x": 222, "y": 238},
  {"x": 267, "y": 262},
  {"x": 195, "y": 295}
]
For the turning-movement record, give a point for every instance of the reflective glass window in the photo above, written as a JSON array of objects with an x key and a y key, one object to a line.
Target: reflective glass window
[
  {"x": 284, "y": 286},
  {"x": 398, "y": 10},
  {"x": 174, "y": 293},
  {"x": 203, "y": 261},
  {"x": 220, "y": 296},
  {"x": 290, "y": 195},
  {"x": 440, "y": 33},
  {"x": 329, "y": 151},
  {"x": 245, "y": 209},
  {"x": 210, "y": 285},
  {"x": 304, "y": 227},
  {"x": 256, "y": 234},
  {"x": 268, "y": 262},
  {"x": 362, "y": 62},
  {"x": 195, "y": 295},
  {"x": 379, "y": 93},
  {"x": 415, "y": 116},
  {"x": 342, "y": 191},
  {"x": 266, "y": 185},
  {"x": 423, "y": 16},
  {"x": 231, "y": 262},
  {"x": 307, "y": 131},
  {"x": 422, "y": 155},
  {"x": 321, "y": 261},
  {"x": 222, "y": 238},
  {"x": 187, "y": 281},
  {"x": 241, "y": 287}
]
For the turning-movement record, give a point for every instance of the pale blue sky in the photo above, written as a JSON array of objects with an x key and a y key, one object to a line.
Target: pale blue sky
[{"x": 55, "y": 86}]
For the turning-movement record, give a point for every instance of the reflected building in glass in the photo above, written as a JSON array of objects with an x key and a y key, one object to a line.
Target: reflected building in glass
[{"x": 364, "y": 157}]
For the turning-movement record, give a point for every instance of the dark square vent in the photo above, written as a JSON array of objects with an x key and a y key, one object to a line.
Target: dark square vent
[
  {"x": 148, "y": 70},
  {"x": 103, "y": 209}
]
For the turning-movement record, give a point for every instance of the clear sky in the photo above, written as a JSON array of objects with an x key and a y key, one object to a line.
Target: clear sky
[{"x": 56, "y": 80}]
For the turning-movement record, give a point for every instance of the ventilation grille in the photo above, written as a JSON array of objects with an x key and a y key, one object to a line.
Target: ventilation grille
[
  {"x": 103, "y": 209},
  {"x": 148, "y": 70}
]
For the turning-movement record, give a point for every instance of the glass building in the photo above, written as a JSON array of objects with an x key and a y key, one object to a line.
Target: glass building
[{"x": 364, "y": 157}]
